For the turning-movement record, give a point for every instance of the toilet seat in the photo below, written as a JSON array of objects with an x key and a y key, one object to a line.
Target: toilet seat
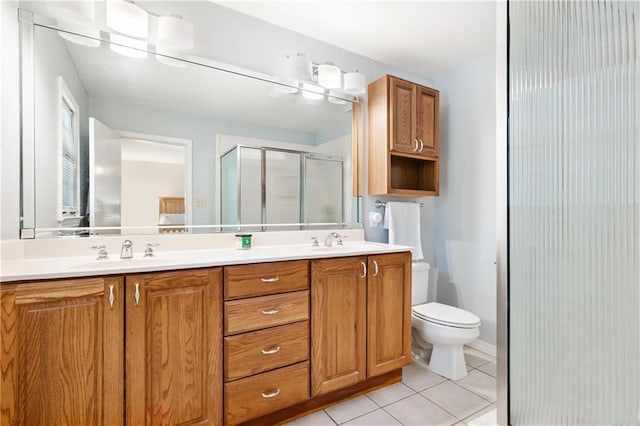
[{"x": 445, "y": 315}]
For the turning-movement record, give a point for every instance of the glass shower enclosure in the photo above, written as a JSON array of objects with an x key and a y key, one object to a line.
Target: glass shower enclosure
[{"x": 269, "y": 188}]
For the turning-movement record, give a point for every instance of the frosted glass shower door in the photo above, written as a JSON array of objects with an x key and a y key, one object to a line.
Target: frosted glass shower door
[
  {"x": 324, "y": 190},
  {"x": 282, "y": 187},
  {"x": 574, "y": 224}
]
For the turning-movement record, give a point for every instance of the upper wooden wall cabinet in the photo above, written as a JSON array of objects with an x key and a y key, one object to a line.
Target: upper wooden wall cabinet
[{"x": 403, "y": 138}]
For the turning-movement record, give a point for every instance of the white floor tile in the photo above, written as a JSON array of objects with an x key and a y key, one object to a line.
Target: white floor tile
[
  {"x": 475, "y": 359},
  {"x": 375, "y": 418},
  {"x": 486, "y": 417},
  {"x": 418, "y": 378},
  {"x": 489, "y": 368},
  {"x": 351, "y": 409},
  {"x": 481, "y": 384},
  {"x": 417, "y": 410},
  {"x": 390, "y": 394},
  {"x": 455, "y": 399},
  {"x": 319, "y": 418}
]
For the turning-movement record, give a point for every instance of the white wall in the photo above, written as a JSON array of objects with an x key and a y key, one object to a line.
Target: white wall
[
  {"x": 142, "y": 183},
  {"x": 465, "y": 235}
]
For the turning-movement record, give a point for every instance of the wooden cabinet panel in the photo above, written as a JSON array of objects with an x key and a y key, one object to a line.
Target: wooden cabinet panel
[
  {"x": 338, "y": 323},
  {"x": 259, "y": 351},
  {"x": 265, "y": 311},
  {"x": 388, "y": 313},
  {"x": 427, "y": 130},
  {"x": 174, "y": 347},
  {"x": 265, "y": 278},
  {"x": 265, "y": 393},
  {"x": 403, "y": 133},
  {"x": 62, "y": 352}
]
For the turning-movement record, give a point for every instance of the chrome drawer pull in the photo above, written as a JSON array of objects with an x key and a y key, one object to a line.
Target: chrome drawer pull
[
  {"x": 271, "y": 351},
  {"x": 271, "y": 312},
  {"x": 270, "y": 280},
  {"x": 271, "y": 394}
]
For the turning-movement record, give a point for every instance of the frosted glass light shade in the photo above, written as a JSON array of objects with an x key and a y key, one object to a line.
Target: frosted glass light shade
[
  {"x": 300, "y": 67},
  {"x": 128, "y": 46},
  {"x": 74, "y": 11},
  {"x": 355, "y": 83},
  {"x": 127, "y": 18},
  {"x": 175, "y": 32},
  {"x": 92, "y": 39},
  {"x": 311, "y": 91},
  {"x": 329, "y": 76}
]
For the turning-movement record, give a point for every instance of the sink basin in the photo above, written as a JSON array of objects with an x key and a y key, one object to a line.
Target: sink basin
[{"x": 120, "y": 263}]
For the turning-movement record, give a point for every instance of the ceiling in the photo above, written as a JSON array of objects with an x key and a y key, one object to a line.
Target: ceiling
[{"x": 423, "y": 37}]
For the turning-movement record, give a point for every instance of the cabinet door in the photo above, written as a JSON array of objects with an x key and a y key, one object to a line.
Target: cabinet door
[
  {"x": 62, "y": 352},
  {"x": 174, "y": 348},
  {"x": 338, "y": 323},
  {"x": 388, "y": 313},
  {"x": 402, "y": 117},
  {"x": 427, "y": 131}
]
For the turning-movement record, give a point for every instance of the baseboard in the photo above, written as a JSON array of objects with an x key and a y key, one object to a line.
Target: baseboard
[{"x": 484, "y": 347}]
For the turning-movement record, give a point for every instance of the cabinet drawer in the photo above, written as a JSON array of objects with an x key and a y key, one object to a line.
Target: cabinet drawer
[
  {"x": 265, "y": 393},
  {"x": 265, "y": 278},
  {"x": 265, "y": 311},
  {"x": 258, "y": 351}
]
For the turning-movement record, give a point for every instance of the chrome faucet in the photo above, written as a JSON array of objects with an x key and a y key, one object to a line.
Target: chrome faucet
[
  {"x": 102, "y": 252},
  {"x": 328, "y": 242},
  {"x": 148, "y": 252},
  {"x": 127, "y": 250},
  {"x": 314, "y": 242}
]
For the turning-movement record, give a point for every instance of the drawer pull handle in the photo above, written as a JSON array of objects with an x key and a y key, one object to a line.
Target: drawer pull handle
[
  {"x": 271, "y": 351},
  {"x": 272, "y": 394},
  {"x": 136, "y": 295},
  {"x": 271, "y": 312},
  {"x": 364, "y": 270},
  {"x": 270, "y": 280},
  {"x": 111, "y": 297},
  {"x": 375, "y": 266}
]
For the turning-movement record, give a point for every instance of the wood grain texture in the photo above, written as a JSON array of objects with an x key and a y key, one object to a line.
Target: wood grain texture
[
  {"x": 265, "y": 311},
  {"x": 388, "y": 313},
  {"x": 62, "y": 352},
  {"x": 357, "y": 148},
  {"x": 246, "y": 398},
  {"x": 245, "y": 353},
  {"x": 427, "y": 128},
  {"x": 338, "y": 323},
  {"x": 418, "y": 175},
  {"x": 258, "y": 279},
  {"x": 174, "y": 348},
  {"x": 402, "y": 115},
  {"x": 319, "y": 402},
  {"x": 378, "y": 136}
]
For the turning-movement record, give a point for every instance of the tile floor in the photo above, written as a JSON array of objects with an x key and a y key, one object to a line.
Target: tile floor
[{"x": 422, "y": 398}]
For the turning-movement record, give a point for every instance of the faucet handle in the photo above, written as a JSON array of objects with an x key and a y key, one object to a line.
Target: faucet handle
[
  {"x": 102, "y": 252},
  {"x": 314, "y": 242},
  {"x": 340, "y": 237},
  {"x": 148, "y": 252}
]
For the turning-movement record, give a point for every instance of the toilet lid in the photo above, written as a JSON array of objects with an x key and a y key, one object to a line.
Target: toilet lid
[{"x": 446, "y": 315}]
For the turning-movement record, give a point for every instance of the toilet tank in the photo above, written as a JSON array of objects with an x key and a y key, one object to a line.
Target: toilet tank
[{"x": 419, "y": 282}]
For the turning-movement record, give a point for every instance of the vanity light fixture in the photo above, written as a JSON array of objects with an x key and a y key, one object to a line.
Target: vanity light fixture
[
  {"x": 175, "y": 33},
  {"x": 329, "y": 76},
  {"x": 300, "y": 67},
  {"x": 79, "y": 11},
  {"x": 127, "y": 18},
  {"x": 311, "y": 91},
  {"x": 128, "y": 46},
  {"x": 335, "y": 98},
  {"x": 355, "y": 83}
]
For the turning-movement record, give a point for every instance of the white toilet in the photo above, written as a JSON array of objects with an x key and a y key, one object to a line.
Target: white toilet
[{"x": 447, "y": 328}]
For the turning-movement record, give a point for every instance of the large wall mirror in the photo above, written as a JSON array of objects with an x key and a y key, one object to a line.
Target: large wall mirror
[{"x": 125, "y": 139}]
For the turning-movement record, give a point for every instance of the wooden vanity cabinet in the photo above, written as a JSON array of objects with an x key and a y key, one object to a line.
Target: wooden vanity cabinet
[
  {"x": 388, "y": 312},
  {"x": 62, "y": 352},
  {"x": 403, "y": 138},
  {"x": 361, "y": 319},
  {"x": 174, "y": 348}
]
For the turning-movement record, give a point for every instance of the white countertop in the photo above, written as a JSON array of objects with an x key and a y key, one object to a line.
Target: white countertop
[{"x": 82, "y": 266}]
